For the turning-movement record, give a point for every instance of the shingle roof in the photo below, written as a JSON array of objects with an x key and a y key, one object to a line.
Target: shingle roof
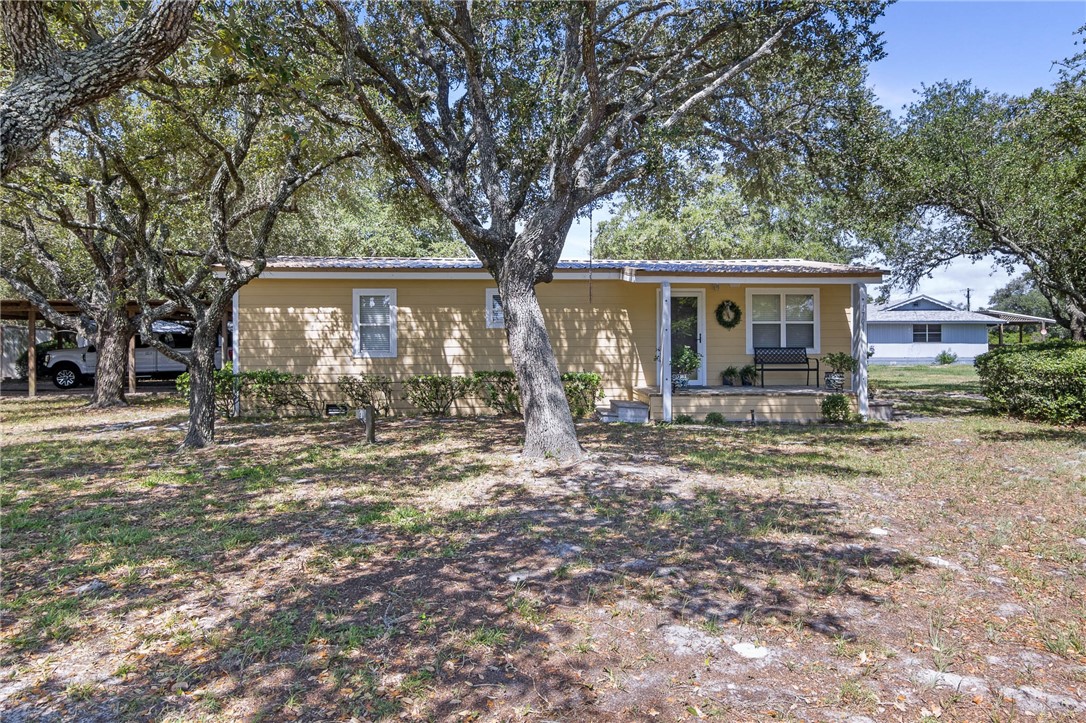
[
  {"x": 709, "y": 266},
  {"x": 881, "y": 314}
]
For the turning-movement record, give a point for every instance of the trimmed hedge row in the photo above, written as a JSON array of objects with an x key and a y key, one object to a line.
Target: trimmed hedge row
[
  {"x": 1044, "y": 382},
  {"x": 435, "y": 394},
  {"x": 265, "y": 390},
  {"x": 432, "y": 394}
]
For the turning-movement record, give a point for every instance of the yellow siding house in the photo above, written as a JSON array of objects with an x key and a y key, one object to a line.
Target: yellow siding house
[{"x": 329, "y": 317}]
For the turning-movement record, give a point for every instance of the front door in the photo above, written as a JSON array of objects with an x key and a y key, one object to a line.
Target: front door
[{"x": 688, "y": 327}]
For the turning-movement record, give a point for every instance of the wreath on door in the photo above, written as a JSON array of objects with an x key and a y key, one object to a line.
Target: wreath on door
[{"x": 728, "y": 314}]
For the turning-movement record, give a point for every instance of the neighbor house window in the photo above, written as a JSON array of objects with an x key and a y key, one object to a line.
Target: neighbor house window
[
  {"x": 374, "y": 322},
  {"x": 927, "y": 332},
  {"x": 495, "y": 317},
  {"x": 779, "y": 318}
]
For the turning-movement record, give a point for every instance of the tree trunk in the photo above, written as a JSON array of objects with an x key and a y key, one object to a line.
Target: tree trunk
[
  {"x": 548, "y": 424},
  {"x": 1078, "y": 328},
  {"x": 51, "y": 84},
  {"x": 201, "y": 390},
  {"x": 109, "y": 370}
]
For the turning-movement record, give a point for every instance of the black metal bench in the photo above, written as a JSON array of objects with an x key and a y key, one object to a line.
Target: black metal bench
[{"x": 778, "y": 357}]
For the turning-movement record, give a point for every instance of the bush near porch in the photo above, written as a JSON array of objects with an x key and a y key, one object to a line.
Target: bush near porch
[{"x": 1045, "y": 382}]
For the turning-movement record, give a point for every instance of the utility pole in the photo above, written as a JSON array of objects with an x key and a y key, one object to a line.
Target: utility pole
[{"x": 968, "y": 299}]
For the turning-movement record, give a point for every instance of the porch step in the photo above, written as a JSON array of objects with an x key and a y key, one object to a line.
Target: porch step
[{"x": 625, "y": 411}]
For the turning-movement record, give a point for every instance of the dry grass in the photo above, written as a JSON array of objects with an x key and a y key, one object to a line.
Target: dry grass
[{"x": 292, "y": 573}]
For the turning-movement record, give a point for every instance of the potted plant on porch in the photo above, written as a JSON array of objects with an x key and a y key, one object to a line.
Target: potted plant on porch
[
  {"x": 748, "y": 375},
  {"x": 839, "y": 364},
  {"x": 686, "y": 363},
  {"x": 729, "y": 376}
]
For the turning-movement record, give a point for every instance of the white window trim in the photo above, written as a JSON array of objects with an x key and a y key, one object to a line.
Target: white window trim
[
  {"x": 748, "y": 315},
  {"x": 492, "y": 323},
  {"x": 928, "y": 333},
  {"x": 356, "y": 335}
]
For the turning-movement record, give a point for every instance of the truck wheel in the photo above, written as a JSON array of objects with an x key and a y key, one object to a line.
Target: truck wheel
[{"x": 66, "y": 376}]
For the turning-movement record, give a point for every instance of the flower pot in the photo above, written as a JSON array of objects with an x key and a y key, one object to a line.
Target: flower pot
[
  {"x": 835, "y": 381},
  {"x": 679, "y": 381}
]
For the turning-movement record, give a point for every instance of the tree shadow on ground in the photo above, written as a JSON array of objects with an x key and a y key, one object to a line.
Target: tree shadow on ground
[
  {"x": 365, "y": 601},
  {"x": 1076, "y": 436},
  {"x": 937, "y": 404}
]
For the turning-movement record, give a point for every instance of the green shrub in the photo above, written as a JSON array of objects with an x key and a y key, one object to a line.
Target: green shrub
[
  {"x": 714, "y": 418},
  {"x": 434, "y": 394},
  {"x": 1045, "y": 382},
  {"x": 261, "y": 390},
  {"x": 682, "y": 419},
  {"x": 582, "y": 390},
  {"x": 375, "y": 389},
  {"x": 945, "y": 357},
  {"x": 835, "y": 408},
  {"x": 276, "y": 391},
  {"x": 223, "y": 389},
  {"x": 500, "y": 391},
  {"x": 748, "y": 374}
]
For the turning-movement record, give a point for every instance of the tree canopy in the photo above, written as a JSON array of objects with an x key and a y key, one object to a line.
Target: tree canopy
[
  {"x": 716, "y": 223},
  {"x": 969, "y": 173}
]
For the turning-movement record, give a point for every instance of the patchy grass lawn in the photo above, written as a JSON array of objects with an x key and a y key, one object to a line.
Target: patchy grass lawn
[
  {"x": 930, "y": 569},
  {"x": 929, "y": 390}
]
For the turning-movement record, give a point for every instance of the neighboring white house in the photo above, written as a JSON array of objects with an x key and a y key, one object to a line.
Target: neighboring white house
[{"x": 916, "y": 330}]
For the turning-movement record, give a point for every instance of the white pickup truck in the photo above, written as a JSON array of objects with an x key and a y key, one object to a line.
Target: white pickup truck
[{"x": 72, "y": 367}]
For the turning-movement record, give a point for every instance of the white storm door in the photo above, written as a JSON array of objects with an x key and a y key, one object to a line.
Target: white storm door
[{"x": 687, "y": 327}]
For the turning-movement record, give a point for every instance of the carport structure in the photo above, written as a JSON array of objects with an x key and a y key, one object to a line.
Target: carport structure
[
  {"x": 23, "y": 310},
  {"x": 1013, "y": 318}
]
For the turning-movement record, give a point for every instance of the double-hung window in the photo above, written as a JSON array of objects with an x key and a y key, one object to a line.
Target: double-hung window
[
  {"x": 782, "y": 317},
  {"x": 927, "y": 332},
  {"x": 495, "y": 316},
  {"x": 374, "y": 329}
]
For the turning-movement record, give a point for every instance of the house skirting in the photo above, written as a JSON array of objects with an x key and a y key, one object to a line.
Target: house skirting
[{"x": 768, "y": 404}]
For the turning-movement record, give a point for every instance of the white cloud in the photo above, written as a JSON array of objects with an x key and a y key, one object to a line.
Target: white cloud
[{"x": 949, "y": 284}]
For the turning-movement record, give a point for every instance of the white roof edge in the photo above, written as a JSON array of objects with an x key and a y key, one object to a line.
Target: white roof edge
[{"x": 925, "y": 297}]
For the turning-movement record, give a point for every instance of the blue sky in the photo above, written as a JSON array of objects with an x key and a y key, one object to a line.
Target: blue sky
[{"x": 1006, "y": 47}]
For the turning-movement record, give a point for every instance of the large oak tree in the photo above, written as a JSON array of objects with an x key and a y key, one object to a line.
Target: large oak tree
[
  {"x": 50, "y": 79},
  {"x": 512, "y": 118},
  {"x": 972, "y": 174}
]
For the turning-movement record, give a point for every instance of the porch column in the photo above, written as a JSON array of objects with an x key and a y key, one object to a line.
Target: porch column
[
  {"x": 665, "y": 348},
  {"x": 31, "y": 352},
  {"x": 859, "y": 346}
]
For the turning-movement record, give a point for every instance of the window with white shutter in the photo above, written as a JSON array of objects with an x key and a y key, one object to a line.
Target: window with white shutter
[{"x": 375, "y": 323}]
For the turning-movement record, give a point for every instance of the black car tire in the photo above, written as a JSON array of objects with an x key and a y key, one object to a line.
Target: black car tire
[{"x": 66, "y": 376}]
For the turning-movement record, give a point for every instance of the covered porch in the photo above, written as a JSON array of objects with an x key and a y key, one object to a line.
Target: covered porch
[
  {"x": 780, "y": 403},
  {"x": 818, "y": 319}
]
